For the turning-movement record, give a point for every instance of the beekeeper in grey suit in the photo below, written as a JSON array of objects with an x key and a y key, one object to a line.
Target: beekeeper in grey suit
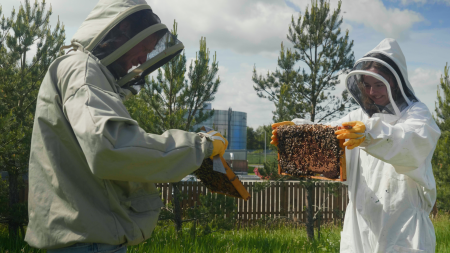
[{"x": 92, "y": 168}]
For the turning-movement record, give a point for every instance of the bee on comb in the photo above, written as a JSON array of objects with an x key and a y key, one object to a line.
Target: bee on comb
[
  {"x": 223, "y": 183},
  {"x": 308, "y": 150}
]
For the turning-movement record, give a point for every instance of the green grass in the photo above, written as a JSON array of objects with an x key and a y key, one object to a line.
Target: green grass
[
  {"x": 256, "y": 239},
  {"x": 258, "y": 158},
  {"x": 260, "y": 238},
  {"x": 8, "y": 245},
  {"x": 442, "y": 228}
]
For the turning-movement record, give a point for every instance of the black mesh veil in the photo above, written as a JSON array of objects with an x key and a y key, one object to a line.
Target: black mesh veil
[
  {"x": 134, "y": 29},
  {"x": 388, "y": 77},
  {"x": 165, "y": 50},
  {"x": 116, "y": 37}
]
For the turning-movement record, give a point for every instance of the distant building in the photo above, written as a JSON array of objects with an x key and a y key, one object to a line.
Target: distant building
[{"x": 233, "y": 126}]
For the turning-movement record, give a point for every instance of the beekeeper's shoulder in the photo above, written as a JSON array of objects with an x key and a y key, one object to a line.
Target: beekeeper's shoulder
[
  {"x": 419, "y": 109},
  {"x": 77, "y": 69},
  {"x": 357, "y": 114}
]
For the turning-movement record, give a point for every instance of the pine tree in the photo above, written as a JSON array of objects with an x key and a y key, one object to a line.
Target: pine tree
[
  {"x": 318, "y": 43},
  {"x": 171, "y": 102},
  {"x": 280, "y": 87},
  {"x": 20, "y": 79},
  {"x": 441, "y": 156}
]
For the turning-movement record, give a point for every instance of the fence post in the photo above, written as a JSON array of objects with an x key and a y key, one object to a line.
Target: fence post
[{"x": 285, "y": 199}]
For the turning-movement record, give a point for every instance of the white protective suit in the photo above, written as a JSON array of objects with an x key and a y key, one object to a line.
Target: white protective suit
[{"x": 390, "y": 179}]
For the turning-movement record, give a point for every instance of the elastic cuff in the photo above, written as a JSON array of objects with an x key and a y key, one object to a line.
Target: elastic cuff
[
  {"x": 208, "y": 142},
  {"x": 368, "y": 125},
  {"x": 206, "y": 136},
  {"x": 209, "y": 149}
]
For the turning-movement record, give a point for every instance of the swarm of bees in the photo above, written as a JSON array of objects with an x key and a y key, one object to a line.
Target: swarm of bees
[
  {"x": 215, "y": 181},
  {"x": 306, "y": 150}
]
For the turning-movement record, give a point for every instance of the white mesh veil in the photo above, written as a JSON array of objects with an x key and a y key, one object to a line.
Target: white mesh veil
[{"x": 382, "y": 68}]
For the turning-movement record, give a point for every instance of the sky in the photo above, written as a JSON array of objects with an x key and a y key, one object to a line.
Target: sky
[{"x": 247, "y": 34}]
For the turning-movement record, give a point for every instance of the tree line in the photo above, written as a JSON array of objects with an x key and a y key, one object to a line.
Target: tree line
[{"x": 175, "y": 97}]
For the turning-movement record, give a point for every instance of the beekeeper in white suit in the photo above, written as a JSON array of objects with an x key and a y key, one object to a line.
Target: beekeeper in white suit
[
  {"x": 92, "y": 169},
  {"x": 389, "y": 149}
]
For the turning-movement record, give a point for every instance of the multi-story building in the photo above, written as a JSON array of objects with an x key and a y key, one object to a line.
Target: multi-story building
[{"x": 233, "y": 126}]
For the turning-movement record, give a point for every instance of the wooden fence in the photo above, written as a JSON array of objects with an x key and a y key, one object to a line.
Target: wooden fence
[{"x": 276, "y": 201}]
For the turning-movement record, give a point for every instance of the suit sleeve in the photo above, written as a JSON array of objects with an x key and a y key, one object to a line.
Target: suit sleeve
[
  {"x": 405, "y": 145},
  {"x": 116, "y": 148}
]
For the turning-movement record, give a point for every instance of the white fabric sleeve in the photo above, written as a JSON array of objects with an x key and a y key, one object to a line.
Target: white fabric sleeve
[
  {"x": 338, "y": 122},
  {"x": 405, "y": 145},
  {"x": 298, "y": 121},
  {"x": 116, "y": 148}
]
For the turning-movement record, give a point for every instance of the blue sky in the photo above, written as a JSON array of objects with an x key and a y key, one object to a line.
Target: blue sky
[
  {"x": 248, "y": 33},
  {"x": 436, "y": 14}
]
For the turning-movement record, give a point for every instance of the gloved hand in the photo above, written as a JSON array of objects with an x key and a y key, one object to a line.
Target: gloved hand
[
  {"x": 274, "y": 132},
  {"x": 219, "y": 142},
  {"x": 355, "y": 134}
]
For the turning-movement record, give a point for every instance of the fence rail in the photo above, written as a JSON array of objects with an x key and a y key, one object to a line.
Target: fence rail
[{"x": 285, "y": 199}]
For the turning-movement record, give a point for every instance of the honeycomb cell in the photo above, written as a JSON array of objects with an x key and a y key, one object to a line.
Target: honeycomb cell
[
  {"x": 216, "y": 181},
  {"x": 307, "y": 150}
]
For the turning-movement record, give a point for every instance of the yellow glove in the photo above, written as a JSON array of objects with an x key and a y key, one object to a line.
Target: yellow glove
[
  {"x": 220, "y": 144},
  {"x": 354, "y": 131},
  {"x": 274, "y": 132}
]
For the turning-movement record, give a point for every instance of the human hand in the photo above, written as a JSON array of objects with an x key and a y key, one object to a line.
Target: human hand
[
  {"x": 220, "y": 144},
  {"x": 354, "y": 131},
  {"x": 274, "y": 132}
]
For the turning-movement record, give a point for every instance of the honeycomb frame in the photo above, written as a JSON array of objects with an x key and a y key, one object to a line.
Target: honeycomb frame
[
  {"x": 299, "y": 149},
  {"x": 226, "y": 184}
]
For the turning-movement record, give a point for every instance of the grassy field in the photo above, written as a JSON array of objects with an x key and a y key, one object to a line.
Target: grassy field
[
  {"x": 258, "y": 158},
  {"x": 280, "y": 238},
  {"x": 256, "y": 239}
]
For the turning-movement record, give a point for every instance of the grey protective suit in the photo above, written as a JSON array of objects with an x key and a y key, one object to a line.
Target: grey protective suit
[{"x": 92, "y": 169}]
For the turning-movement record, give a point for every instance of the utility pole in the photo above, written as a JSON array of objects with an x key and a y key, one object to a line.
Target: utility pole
[{"x": 265, "y": 145}]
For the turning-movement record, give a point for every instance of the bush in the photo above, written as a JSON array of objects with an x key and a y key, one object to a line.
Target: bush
[{"x": 214, "y": 212}]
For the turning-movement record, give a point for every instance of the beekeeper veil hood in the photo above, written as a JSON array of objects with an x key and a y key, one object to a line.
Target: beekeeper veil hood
[
  {"x": 128, "y": 38},
  {"x": 379, "y": 81}
]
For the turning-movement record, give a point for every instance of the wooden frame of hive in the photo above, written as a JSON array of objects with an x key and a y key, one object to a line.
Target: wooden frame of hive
[
  {"x": 342, "y": 169},
  {"x": 234, "y": 180}
]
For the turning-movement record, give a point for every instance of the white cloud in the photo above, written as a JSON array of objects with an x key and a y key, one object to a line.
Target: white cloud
[
  {"x": 71, "y": 13},
  {"x": 421, "y": 2},
  {"x": 424, "y": 82},
  {"x": 392, "y": 23},
  {"x": 249, "y": 32},
  {"x": 236, "y": 91},
  {"x": 246, "y": 27},
  {"x": 406, "y": 2},
  {"x": 424, "y": 78}
]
